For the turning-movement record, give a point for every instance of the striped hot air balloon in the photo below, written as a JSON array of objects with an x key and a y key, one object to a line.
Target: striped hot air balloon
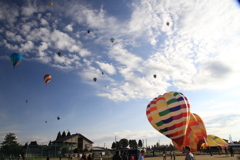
[
  {"x": 196, "y": 134},
  {"x": 47, "y": 78},
  {"x": 169, "y": 114}
]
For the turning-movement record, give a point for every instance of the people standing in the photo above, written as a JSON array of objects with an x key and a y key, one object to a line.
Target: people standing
[
  {"x": 92, "y": 156},
  {"x": 189, "y": 155},
  {"x": 174, "y": 156},
  {"x": 231, "y": 151},
  {"x": 117, "y": 156},
  {"x": 141, "y": 156},
  {"x": 89, "y": 157},
  {"x": 164, "y": 155},
  {"x": 48, "y": 157},
  {"x": 84, "y": 157},
  {"x": 124, "y": 156},
  {"x": 131, "y": 157}
]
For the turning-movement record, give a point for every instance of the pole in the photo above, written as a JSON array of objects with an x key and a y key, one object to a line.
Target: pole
[{"x": 42, "y": 150}]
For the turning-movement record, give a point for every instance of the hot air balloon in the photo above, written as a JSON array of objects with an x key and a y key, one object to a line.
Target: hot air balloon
[
  {"x": 169, "y": 114},
  {"x": 95, "y": 79},
  {"x": 59, "y": 54},
  {"x": 196, "y": 134},
  {"x": 50, "y": 3},
  {"x": 16, "y": 58},
  {"x": 167, "y": 23},
  {"x": 102, "y": 73},
  {"x": 88, "y": 31},
  {"x": 58, "y": 117},
  {"x": 47, "y": 78},
  {"x": 26, "y": 101},
  {"x": 213, "y": 140},
  {"x": 155, "y": 76},
  {"x": 112, "y": 40},
  {"x": 45, "y": 121}
]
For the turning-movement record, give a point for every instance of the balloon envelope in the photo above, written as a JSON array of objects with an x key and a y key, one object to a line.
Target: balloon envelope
[
  {"x": 50, "y": 3},
  {"x": 213, "y": 140},
  {"x": 47, "y": 78},
  {"x": 196, "y": 134},
  {"x": 16, "y": 58},
  {"x": 58, "y": 117},
  {"x": 88, "y": 31},
  {"x": 169, "y": 114},
  {"x": 95, "y": 79},
  {"x": 155, "y": 76},
  {"x": 167, "y": 23},
  {"x": 59, "y": 54},
  {"x": 112, "y": 40}
]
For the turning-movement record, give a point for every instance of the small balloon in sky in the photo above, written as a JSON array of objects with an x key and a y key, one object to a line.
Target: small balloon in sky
[
  {"x": 58, "y": 117},
  {"x": 50, "y": 3},
  {"x": 26, "y": 101},
  {"x": 59, "y": 54},
  {"x": 47, "y": 78},
  {"x": 155, "y": 76},
  {"x": 95, "y": 79},
  {"x": 16, "y": 58},
  {"x": 45, "y": 121},
  {"x": 167, "y": 23},
  {"x": 112, "y": 40},
  {"x": 88, "y": 31},
  {"x": 102, "y": 73}
]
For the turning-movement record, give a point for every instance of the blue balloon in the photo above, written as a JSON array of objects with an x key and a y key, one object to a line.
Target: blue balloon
[{"x": 16, "y": 58}]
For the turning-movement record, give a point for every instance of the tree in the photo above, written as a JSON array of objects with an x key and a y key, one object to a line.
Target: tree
[
  {"x": 10, "y": 145},
  {"x": 63, "y": 134},
  {"x": 124, "y": 142},
  {"x": 134, "y": 143},
  {"x": 140, "y": 143},
  {"x": 113, "y": 145},
  {"x": 68, "y": 134},
  {"x": 59, "y": 135}
]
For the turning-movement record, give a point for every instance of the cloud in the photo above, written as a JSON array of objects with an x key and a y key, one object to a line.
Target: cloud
[
  {"x": 108, "y": 68},
  {"x": 69, "y": 28}
]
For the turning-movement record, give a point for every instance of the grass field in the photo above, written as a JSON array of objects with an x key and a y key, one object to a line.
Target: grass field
[{"x": 179, "y": 157}]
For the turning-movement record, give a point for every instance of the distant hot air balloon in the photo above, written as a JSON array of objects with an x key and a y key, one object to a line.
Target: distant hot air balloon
[
  {"x": 196, "y": 134},
  {"x": 213, "y": 140},
  {"x": 169, "y": 114},
  {"x": 47, "y": 78},
  {"x": 45, "y": 121},
  {"x": 26, "y": 101},
  {"x": 50, "y": 3},
  {"x": 112, "y": 40},
  {"x": 16, "y": 58},
  {"x": 95, "y": 79},
  {"x": 167, "y": 23},
  {"x": 58, "y": 117},
  {"x": 59, "y": 54},
  {"x": 102, "y": 73},
  {"x": 155, "y": 76},
  {"x": 88, "y": 31}
]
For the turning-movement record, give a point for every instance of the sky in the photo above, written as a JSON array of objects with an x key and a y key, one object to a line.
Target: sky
[{"x": 197, "y": 55}]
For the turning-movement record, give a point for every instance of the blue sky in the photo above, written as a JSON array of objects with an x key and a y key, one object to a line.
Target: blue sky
[{"x": 197, "y": 54}]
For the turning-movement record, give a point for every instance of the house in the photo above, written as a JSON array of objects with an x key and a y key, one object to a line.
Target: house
[{"x": 75, "y": 142}]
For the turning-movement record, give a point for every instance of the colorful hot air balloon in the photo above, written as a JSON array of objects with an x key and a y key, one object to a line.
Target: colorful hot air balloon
[
  {"x": 88, "y": 31},
  {"x": 213, "y": 140},
  {"x": 16, "y": 58},
  {"x": 95, "y": 79},
  {"x": 167, "y": 23},
  {"x": 169, "y": 114},
  {"x": 196, "y": 134},
  {"x": 155, "y": 76},
  {"x": 50, "y": 3},
  {"x": 58, "y": 117},
  {"x": 112, "y": 40},
  {"x": 47, "y": 78},
  {"x": 59, "y": 54}
]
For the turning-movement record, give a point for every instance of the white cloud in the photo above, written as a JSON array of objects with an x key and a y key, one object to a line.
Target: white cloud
[
  {"x": 108, "y": 68},
  {"x": 69, "y": 27}
]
